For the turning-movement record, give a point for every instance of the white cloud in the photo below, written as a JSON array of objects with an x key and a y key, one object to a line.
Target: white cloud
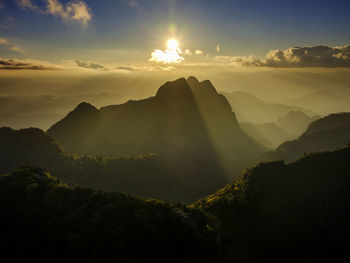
[
  {"x": 73, "y": 10},
  {"x": 166, "y": 57},
  {"x": 296, "y": 57},
  {"x": 188, "y": 52},
  {"x": 198, "y": 52}
]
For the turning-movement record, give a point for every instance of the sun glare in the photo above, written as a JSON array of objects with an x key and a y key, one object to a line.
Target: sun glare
[{"x": 173, "y": 44}]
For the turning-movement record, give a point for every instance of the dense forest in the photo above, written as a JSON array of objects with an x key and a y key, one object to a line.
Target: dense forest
[
  {"x": 274, "y": 211},
  {"x": 294, "y": 212},
  {"x": 143, "y": 175},
  {"x": 44, "y": 220}
]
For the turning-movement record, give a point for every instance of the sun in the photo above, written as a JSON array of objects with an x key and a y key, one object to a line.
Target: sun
[
  {"x": 172, "y": 44},
  {"x": 171, "y": 55}
]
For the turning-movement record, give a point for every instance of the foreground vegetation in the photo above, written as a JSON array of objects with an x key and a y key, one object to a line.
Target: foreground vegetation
[{"x": 275, "y": 211}]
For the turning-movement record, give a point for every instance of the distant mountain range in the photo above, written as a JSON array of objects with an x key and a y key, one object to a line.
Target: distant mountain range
[
  {"x": 267, "y": 134},
  {"x": 295, "y": 122},
  {"x": 321, "y": 101},
  {"x": 325, "y": 134},
  {"x": 272, "y": 134},
  {"x": 249, "y": 108}
]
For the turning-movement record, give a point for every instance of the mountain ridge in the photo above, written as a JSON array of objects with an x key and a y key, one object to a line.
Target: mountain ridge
[{"x": 187, "y": 122}]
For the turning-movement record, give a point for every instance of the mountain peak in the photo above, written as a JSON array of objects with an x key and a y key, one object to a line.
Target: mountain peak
[
  {"x": 208, "y": 86},
  {"x": 175, "y": 88},
  {"x": 193, "y": 81},
  {"x": 84, "y": 107}
]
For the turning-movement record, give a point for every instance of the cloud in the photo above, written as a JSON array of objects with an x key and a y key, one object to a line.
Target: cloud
[
  {"x": 188, "y": 52},
  {"x": 167, "y": 56},
  {"x": 198, "y": 52},
  {"x": 3, "y": 41},
  {"x": 297, "y": 57},
  {"x": 16, "y": 64},
  {"x": 127, "y": 68},
  {"x": 26, "y": 4},
  {"x": 218, "y": 48},
  {"x": 132, "y": 3},
  {"x": 89, "y": 65},
  {"x": 17, "y": 49},
  {"x": 73, "y": 10},
  {"x": 11, "y": 45}
]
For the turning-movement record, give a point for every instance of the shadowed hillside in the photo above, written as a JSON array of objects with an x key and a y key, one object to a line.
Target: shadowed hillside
[
  {"x": 295, "y": 213},
  {"x": 48, "y": 221},
  {"x": 143, "y": 175}
]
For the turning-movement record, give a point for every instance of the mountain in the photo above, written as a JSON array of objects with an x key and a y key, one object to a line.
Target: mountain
[
  {"x": 328, "y": 123},
  {"x": 321, "y": 101},
  {"x": 250, "y": 108},
  {"x": 326, "y": 134},
  {"x": 48, "y": 221},
  {"x": 267, "y": 134},
  {"x": 294, "y": 212},
  {"x": 187, "y": 122},
  {"x": 295, "y": 122},
  {"x": 143, "y": 175}
]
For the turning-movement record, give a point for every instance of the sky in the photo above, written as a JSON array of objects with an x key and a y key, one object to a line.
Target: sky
[
  {"x": 127, "y": 35},
  {"x": 55, "y": 54}
]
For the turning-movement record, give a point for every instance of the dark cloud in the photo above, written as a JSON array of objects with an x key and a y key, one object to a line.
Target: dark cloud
[
  {"x": 89, "y": 65},
  {"x": 294, "y": 57},
  {"x": 22, "y": 64}
]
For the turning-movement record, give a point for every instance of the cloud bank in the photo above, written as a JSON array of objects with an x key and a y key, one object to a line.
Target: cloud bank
[
  {"x": 297, "y": 57},
  {"x": 16, "y": 64},
  {"x": 73, "y": 10},
  {"x": 89, "y": 65}
]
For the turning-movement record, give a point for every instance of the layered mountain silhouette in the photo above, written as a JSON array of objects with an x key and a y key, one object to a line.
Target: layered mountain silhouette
[
  {"x": 187, "y": 122},
  {"x": 267, "y": 134},
  {"x": 295, "y": 122},
  {"x": 250, "y": 108},
  {"x": 322, "y": 101},
  {"x": 328, "y": 133}
]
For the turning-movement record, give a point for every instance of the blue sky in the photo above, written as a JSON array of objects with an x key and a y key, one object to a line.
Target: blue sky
[{"x": 124, "y": 32}]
